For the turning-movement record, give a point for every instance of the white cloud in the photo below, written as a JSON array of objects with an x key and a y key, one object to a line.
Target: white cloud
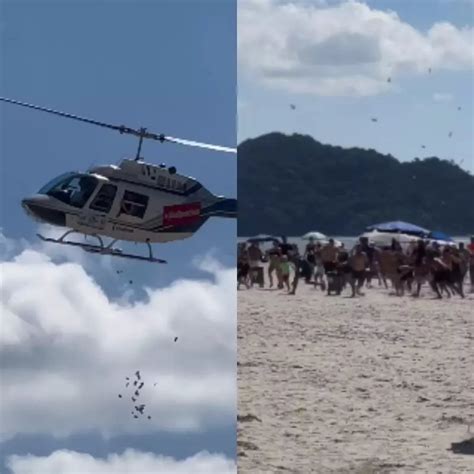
[
  {"x": 65, "y": 350},
  {"x": 344, "y": 49},
  {"x": 129, "y": 462},
  {"x": 442, "y": 97}
]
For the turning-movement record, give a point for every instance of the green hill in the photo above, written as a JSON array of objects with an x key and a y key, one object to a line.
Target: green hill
[{"x": 288, "y": 185}]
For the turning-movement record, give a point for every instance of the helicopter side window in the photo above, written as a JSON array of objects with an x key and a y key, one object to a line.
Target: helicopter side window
[
  {"x": 133, "y": 204},
  {"x": 75, "y": 190},
  {"x": 104, "y": 199}
]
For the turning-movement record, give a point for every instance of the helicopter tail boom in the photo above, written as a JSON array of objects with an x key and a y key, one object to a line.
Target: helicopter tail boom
[{"x": 224, "y": 207}]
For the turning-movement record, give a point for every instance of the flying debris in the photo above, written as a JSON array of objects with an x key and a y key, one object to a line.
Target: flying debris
[
  {"x": 127, "y": 384},
  {"x": 459, "y": 107},
  {"x": 389, "y": 79},
  {"x": 429, "y": 70},
  {"x": 175, "y": 339},
  {"x": 135, "y": 383},
  {"x": 119, "y": 272},
  {"x": 450, "y": 134},
  {"x": 293, "y": 106},
  {"x": 138, "y": 409},
  {"x": 131, "y": 282},
  {"x": 374, "y": 119},
  {"x": 423, "y": 146},
  {"x": 149, "y": 417}
]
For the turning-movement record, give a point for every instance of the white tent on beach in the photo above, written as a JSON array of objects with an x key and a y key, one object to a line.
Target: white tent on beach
[
  {"x": 384, "y": 239},
  {"x": 321, "y": 238}
]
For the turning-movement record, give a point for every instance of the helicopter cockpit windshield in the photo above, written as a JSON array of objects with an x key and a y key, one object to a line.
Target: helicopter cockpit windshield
[{"x": 74, "y": 189}]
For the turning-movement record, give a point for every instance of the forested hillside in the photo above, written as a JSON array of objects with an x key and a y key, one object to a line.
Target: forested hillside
[{"x": 288, "y": 185}]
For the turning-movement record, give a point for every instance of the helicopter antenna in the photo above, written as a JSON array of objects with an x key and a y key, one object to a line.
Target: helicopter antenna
[{"x": 141, "y": 133}]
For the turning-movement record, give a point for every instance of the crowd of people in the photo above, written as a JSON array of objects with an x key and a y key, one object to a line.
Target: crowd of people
[{"x": 332, "y": 267}]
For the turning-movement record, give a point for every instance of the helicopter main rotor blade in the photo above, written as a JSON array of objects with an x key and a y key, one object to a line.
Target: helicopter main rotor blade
[
  {"x": 141, "y": 133},
  {"x": 120, "y": 128},
  {"x": 182, "y": 141}
]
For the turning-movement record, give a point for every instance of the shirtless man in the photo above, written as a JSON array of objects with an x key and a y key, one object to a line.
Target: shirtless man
[
  {"x": 319, "y": 271},
  {"x": 274, "y": 255},
  {"x": 309, "y": 255},
  {"x": 295, "y": 261},
  {"x": 470, "y": 247},
  {"x": 440, "y": 274},
  {"x": 453, "y": 262},
  {"x": 421, "y": 268},
  {"x": 387, "y": 265},
  {"x": 359, "y": 263},
  {"x": 255, "y": 258},
  {"x": 465, "y": 257},
  {"x": 329, "y": 256},
  {"x": 285, "y": 266},
  {"x": 397, "y": 262},
  {"x": 371, "y": 253}
]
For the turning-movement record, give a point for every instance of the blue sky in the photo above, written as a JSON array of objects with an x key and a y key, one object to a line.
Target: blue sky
[
  {"x": 169, "y": 66},
  {"x": 336, "y": 100}
]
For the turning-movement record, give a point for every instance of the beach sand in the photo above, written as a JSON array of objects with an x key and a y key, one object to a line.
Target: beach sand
[{"x": 375, "y": 384}]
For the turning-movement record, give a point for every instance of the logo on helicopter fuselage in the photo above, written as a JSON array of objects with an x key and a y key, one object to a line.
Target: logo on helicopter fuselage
[{"x": 181, "y": 214}]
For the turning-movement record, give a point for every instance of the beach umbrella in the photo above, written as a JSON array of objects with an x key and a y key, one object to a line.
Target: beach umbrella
[
  {"x": 384, "y": 239},
  {"x": 321, "y": 238},
  {"x": 399, "y": 226},
  {"x": 436, "y": 235},
  {"x": 315, "y": 236},
  {"x": 262, "y": 238},
  {"x": 441, "y": 238}
]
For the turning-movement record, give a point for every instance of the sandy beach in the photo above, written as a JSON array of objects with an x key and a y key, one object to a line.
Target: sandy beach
[{"x": 376, "y": 384}]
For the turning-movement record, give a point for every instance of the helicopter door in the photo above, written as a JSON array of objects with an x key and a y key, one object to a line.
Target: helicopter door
[
  {"x": 101, "y": 203},
  {"x": 104, "y": 199}
]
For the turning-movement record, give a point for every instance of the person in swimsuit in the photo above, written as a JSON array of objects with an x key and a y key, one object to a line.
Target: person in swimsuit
[
  {"x": 255, "y": 259},
  {"x": 358, "y": 263},
  {"x": 285, "y": 271},
  {"x": 319, "y": 271},
  {"x": 419, "y": 262},
  {"x": 329, "y": 256},
  {"x": 453, "y": 262},
  {"x": 274, "y": 255},
  {"x": 310, "y": 256},
  {"x": 470, "y": 248}
]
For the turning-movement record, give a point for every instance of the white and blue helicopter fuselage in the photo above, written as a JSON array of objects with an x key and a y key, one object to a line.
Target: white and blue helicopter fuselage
[{"x": 134, "y": 201}]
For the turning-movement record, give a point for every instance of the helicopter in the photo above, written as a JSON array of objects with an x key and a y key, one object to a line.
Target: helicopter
[{"x": 134, "y": 201}]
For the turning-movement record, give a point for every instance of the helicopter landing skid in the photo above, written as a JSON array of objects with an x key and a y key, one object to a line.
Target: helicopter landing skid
[{"x": 102, "y": 249}]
